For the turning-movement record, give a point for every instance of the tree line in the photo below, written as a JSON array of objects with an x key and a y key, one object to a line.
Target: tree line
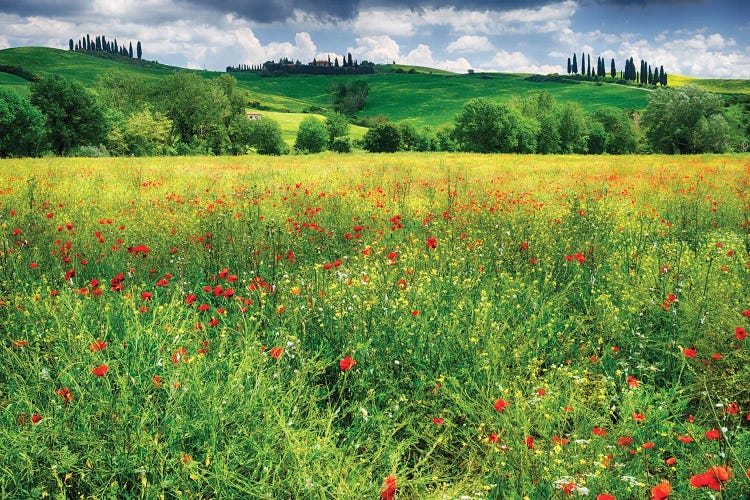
[
  {"x": 185, "y": 114},
  {"x": 285, "y": 66},
  {"x": 646, "y": 75},
  {"x": 101, "y": 44}
]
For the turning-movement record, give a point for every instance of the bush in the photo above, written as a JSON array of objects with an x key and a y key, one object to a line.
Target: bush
[
  {"x": 21, "y": 127},
  {"x": 266, "y": 137},
  {"x": 312, "y": 136},
  {"x": 383, "y": 138},
  {"x": 342, "y": 145}
]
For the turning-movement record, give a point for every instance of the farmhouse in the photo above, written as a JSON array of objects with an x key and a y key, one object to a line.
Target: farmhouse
[{"x": 253, "y": 116}]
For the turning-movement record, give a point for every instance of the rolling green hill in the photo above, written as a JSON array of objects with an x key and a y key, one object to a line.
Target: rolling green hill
[{"x": 429, "y": 97}]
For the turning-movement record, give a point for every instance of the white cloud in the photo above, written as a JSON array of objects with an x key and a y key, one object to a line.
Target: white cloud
[
  {"x": 376, "y": 48},
  {"x": 518, "y": 62},
  {"x": 470, "y": 43},
  {"x": 393, "y": 22}
]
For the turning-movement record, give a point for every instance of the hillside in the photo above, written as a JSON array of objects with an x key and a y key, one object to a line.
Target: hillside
[{"x": 430, "y": 97}]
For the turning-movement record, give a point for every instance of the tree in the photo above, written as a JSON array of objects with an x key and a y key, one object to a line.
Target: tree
[
  {"x": 267, "y": 138},
  {"x": 71, "y": 45},
  {"x": 484, "y": 126},
  {"x": 583, "y": 64},
  {"x": 73, "y": 117},
  {"x": 383, "y": 138},
  {"x": 130, "y": 50},
  {"x": 312, "y": 136},
  {"x": 569, "y": 66},
  {"x": 138, "y": 49},
  {"x": 337, "y": 125},
  {"x": 588, "y": 65},
  {"x": 575, "y": 65},
  {"x": 199, "y": 110},
  {"x": 22, "y": 130},
  {"x": 348, "y": 98},
  {"x": 685, "y": 120},
  {"x": 617, "y": 129},
  {"x": 573, "y": 128},
  {"x": 147, "y": 134},
  {"x": 612, "y": 69}
]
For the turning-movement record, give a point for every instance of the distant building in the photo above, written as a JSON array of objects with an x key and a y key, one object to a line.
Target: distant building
[{"x": 253, "y": 116}]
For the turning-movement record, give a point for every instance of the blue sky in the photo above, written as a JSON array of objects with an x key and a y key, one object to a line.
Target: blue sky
[{"x": 706, "y": 38}]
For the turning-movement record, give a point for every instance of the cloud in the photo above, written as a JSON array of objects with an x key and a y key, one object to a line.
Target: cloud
[
  {"x": 518, "y": 62},
  {"x": 470, "y": 43},
  {"x": 376, "y": 48}
]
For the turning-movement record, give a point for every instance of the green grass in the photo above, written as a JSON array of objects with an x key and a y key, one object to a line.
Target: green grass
[
  {"x": 720, "y": 86},
  {"x": 175, "y": 327},
  {"x": 13, "y": 82},
  {"x": 289, "y": 123}
]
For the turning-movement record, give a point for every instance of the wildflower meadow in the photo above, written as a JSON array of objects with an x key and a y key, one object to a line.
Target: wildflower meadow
[{"x": 389, "y": 327}]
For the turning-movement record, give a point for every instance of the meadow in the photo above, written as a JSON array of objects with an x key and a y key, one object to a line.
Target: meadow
[{"x": 375, "y": 326}]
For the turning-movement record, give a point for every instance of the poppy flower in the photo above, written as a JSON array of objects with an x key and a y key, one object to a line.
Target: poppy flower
[
  {"x": 98, "y": 346},
  {"x": 347, "y": 363},
  {"x": 276, "y": 352},
  {"x": 500, "y": 405},
  {"x": 639, "y": 417},
  {"x": 714, "y": 478},
  {"x": 661, "y": 491},
  {"x": 685, "y": 439},
  {"x": 100, "y": 370},
  {"x": 599, "y": 431},
  {"x": 746, "y": 313},
  {"x": 670, "y": 461},
  {"x": 624, "y": 440},
  {"x": 689, "y": 352},
  {"x": 438, "y": 421},
  {"x": 65, "y": 394},
  {"x": 740, "y": 333},
  {"x": 605, "y": 496},
  {"x": 633, "y": 382},
  {"x": 388, "y": 490},
  {"x": 36, "y": 418},
  {"x": 493, "y": 438},
  {"x": 431, "y": 242},
  {"x": 713, "y": 434},
  {"x": 530, "y": 442},
  {"x": 647, "y": 446}
]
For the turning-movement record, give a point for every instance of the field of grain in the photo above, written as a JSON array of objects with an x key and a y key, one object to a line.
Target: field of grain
[{"x": 375, "y": 326}]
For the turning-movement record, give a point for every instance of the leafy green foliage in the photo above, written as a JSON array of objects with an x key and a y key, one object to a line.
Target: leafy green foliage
[
  {"x": 73, "y": 117},
  {"x": 618, "y": 133},
  {"x": 337, "y": 125},
  {"x": 383, "y": 138},
  {"x": 22, "y": 131},
  {"x": 266, "y": 137},
  {"x": 685, "y": 120},
  {"x": 485, "y": 126},
  {"x": 312, "y": 136},
  {"x": 349, "y": 97}
]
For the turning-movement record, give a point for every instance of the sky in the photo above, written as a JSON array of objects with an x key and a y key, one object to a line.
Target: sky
[{"x": 703, "y": 38}]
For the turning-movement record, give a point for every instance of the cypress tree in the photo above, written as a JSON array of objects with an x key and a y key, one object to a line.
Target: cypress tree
[
  {"x": 130, "y": 50},
  {"x": 662, "y": 77},
  {"x": 138, "y": 49},
  {"x": 569, "y": 67},
  {"x": 70, "y": 44},
  {"x": 612, "y": 69},
  {"x": 575, "y": 64},
  {"x": 583, "y": 64},
  {"x": 588, "y": 65}
]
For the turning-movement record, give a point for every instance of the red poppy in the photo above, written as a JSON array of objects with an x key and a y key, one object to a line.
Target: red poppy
[
  {"x": 431, "y": 242},
  {"x": 65, "y": 394},
  {"x": 713, "y": 434},
  {"x": 685, "y": 439},
  {"x": 740, "y": 333},
  {"x": 639, "y": 417},
  {"x": 36, "y": 418},
  {"x": 98, "y": 346},
  {"x": 276, "y": 352},
  {"x": 100, "y": 370},
  {"x": 633, "y": 382},
  {"x": 579, "y": 257},
  {"x": 647, "y": 446},
  {"x": 157, "y": 381},
  {"x": 670, "y": 461},
  {"x": 746, "y": 313},
  {"x": 599, "y": 431},
  {"x": 714, "y": 478},
  {"x": 493, "y": 438},
  {"x": 530, "y": 442},
  {"x": 605, "y": 496},
  {"x": 347, "y": 363},
  {"x": 690, "y": 353},
  {"x": 624, "y": 440},
  {"x": 661, "y": 491},
  {"x": 438, "y": 421},
  {"x": 388, "y": 490},
  {"x": 500, "y": 405}
]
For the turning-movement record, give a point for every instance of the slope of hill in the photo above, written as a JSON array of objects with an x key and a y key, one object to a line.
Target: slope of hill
[
  {"x": 289, "y": 123},
  {"x": 429, "y": 97}
]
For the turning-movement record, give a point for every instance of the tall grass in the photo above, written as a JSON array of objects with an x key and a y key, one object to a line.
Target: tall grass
[{"x": 515, "y": 326}]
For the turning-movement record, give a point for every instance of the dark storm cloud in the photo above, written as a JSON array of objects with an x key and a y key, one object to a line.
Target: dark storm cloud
[
  {"x": 47, "y": 8},
  {"x": 280, "y": 10}
]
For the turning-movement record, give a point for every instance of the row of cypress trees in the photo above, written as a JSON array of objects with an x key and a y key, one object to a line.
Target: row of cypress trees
[
  {"x": 101, "y": 44},
  {"x": 646, "y": 74}
]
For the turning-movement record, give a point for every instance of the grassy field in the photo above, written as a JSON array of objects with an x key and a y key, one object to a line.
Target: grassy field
[
  {"x": 375, "y": 326},
  {"x": 432, "y": 100},
  {"x": 720, "y": 86},
  {"x": 289, "y": 123}
]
